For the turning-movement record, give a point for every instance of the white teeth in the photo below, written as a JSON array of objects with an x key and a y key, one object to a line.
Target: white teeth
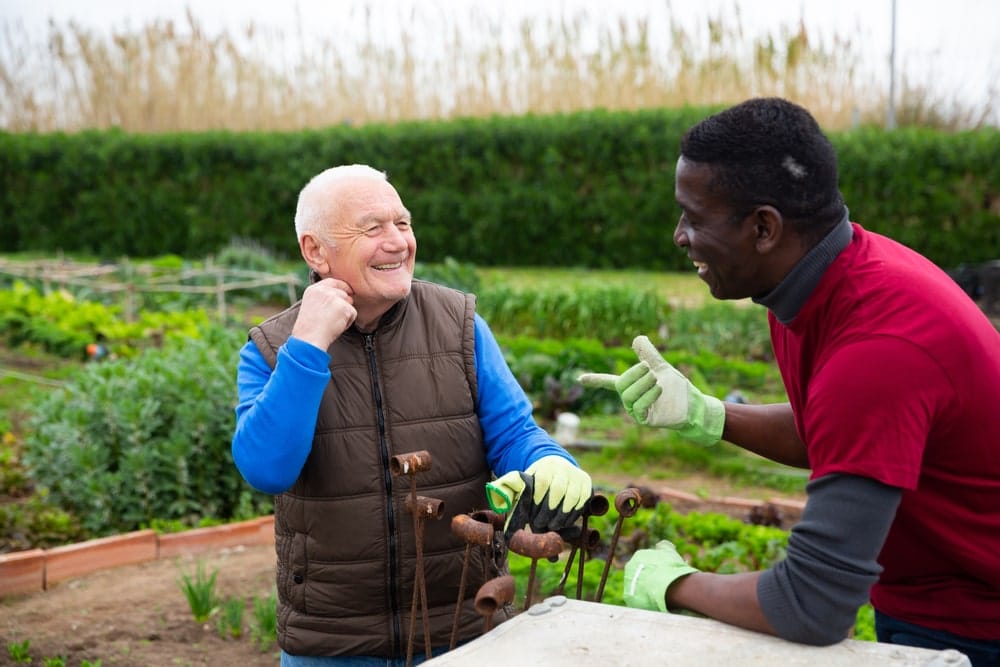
[{"x": 387, "y": 267}]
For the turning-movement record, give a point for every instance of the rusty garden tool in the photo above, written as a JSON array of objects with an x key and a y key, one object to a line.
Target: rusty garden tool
[
  {"x": 498, "y": 521},
  {"x": 627, "y": 503},
  {"x": 534, "y": 546},
  {"x": 410, "y": 464},
  {"x": 476, "y": 528},
  {"x": 589, "y": 540},
  {"x": 422, "y": 508},
  {"x": 597, "y": 505},
  {"x": 492, "y": 595}
]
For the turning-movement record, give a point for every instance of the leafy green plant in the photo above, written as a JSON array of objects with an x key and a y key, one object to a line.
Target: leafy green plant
[
  {"x": 264, "y": 626},
  {"x": 728, "y": 330},
  {"x": 612, "y": 314},
  {"x": 199, "y": 590},
  {"x": 64, "y": 324},
  {"x": 58, "y": 661},
  {"x": 153, "y": 434},
  {"x": 20, "y": 652},
  {"x": 229, "y": 622},
  {"x": 13, "y": 478},
  {"x": 90, "y": 663},
  {"x": 35, "y": 522}
]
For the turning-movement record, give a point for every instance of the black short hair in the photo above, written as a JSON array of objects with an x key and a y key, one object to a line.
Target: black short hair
[{"x": 770, "y": 151}]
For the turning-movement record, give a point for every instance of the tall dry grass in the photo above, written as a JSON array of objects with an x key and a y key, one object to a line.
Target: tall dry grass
[{"x": 167, "y": 76}]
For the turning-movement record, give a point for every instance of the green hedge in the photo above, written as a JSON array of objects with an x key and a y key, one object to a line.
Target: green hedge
[{"x": 591, "y": 189}]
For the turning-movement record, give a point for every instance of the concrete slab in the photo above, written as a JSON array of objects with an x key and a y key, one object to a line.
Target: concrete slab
[{"x": 559, "y": 632}]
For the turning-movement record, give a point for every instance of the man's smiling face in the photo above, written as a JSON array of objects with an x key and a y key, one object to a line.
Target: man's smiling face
[
  {"x": 373, "y": 247},
  {"x": 719, "y": 240}
]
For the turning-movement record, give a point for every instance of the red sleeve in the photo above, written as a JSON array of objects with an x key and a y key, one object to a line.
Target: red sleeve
[{"x": 869, "y": 410}]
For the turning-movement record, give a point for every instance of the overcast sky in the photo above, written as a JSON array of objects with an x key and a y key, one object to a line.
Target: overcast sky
[{"x": 950, "y": 44}]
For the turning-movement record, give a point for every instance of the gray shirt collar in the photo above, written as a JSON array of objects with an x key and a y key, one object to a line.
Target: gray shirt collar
[{"x": 787, "y": 299}]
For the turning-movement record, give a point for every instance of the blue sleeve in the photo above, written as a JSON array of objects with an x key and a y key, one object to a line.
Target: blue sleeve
[
  {"x": 276, "y": 413},
  {"x": 513, "y": 439}
]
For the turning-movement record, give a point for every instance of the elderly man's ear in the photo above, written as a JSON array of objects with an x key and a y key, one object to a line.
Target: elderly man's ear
[{"x": 315, "y": 253}]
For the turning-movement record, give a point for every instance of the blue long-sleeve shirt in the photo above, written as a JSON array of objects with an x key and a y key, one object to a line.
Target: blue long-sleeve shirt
[{"x": 277, "y": 410}]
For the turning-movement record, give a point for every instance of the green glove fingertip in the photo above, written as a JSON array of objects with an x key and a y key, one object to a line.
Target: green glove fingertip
[
  {"x": 502, "y": 492},
  {"x": 598, "y": 380},
  {"x": 499, "y": 501}
]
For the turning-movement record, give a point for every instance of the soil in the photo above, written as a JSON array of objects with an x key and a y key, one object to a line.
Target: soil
[{"x": 137, "y": 616}]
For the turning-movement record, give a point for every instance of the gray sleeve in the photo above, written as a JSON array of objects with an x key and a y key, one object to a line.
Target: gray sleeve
[{"x": 813, "y": 595}]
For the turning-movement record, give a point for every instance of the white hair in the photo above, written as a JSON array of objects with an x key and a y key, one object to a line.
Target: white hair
[{"x": 316, "y": 208}]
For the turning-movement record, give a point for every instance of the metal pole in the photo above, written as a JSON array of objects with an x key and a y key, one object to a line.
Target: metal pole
[{"x": 890, "y": 114}]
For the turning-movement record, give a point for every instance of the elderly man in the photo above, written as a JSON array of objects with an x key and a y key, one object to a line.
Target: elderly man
[{"x": 368, "y": 365}]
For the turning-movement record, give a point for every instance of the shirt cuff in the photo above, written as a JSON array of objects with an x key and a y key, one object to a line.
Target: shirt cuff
[{"x": 306, "y": 354}]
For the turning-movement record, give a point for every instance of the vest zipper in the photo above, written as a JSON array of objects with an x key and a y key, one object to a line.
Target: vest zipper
[{"x": 387, "y": 481}]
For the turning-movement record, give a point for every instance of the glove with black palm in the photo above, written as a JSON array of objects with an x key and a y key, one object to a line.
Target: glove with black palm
[{"x": 549, "y": 496}]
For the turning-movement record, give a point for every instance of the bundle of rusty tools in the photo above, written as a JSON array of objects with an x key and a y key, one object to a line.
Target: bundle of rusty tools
[
  {"x": 420, "y": 508},
  {"x": 484, "y": 529}
]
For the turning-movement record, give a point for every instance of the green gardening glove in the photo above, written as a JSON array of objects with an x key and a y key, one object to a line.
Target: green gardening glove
[
  {"x": 549, "y": 495},
  {"x": 656, "y": 394},
  {"x": 650, "y": 572}
]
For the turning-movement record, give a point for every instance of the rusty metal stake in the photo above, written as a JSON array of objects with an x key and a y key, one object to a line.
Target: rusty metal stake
[
  {"x": 590, "y": 540},
  {"x": 409, "y": 464},
  {"x": 497, "y": 520},
  {"x": 627, "y": 503},
  {"x": 421, "y": 508},
  {"x": 474, "y": 531},
  {"x": 535, "y": 546},
  {"x": 597, "y": 505},
  {"x": 492, "y": 595}
]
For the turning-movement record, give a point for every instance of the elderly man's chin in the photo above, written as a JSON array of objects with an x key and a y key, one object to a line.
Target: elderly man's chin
[{"x": 396, "y": 287}]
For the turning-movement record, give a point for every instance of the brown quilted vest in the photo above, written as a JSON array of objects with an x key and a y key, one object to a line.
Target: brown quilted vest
[{"x": 344, "y": 540}]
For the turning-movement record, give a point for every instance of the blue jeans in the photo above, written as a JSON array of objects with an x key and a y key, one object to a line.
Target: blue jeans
[
  {"x": 981, "y": 652},
  {"x": 288, "y": 660}
]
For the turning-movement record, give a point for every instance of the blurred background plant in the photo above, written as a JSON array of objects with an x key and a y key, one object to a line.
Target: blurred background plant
[{"x": 440, "y": 62}]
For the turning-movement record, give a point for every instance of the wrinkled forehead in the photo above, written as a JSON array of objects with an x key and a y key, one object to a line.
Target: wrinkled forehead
[{"x": 361, "y": 201}]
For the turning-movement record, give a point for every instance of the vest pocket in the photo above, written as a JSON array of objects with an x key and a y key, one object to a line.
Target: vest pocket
[{"x": 295, "y": 579}]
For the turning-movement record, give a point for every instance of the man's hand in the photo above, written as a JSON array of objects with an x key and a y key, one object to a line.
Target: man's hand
[
  {"x": 549, "y": 495},
  {"x": 650, "y": 572},
  {"x": 327, "y": 310},
  {"x": 655, "y": 393}
]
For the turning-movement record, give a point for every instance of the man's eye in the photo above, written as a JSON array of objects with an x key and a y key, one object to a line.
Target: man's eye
[{"x": 403, "y": 224}]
